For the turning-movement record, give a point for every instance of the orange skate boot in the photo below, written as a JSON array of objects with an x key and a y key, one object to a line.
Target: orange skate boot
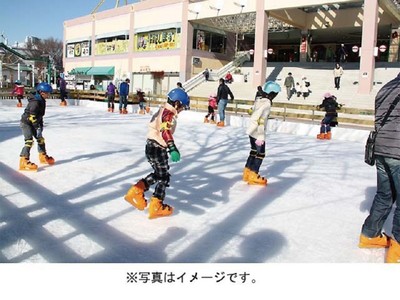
[{"x": 135, "y": 195}]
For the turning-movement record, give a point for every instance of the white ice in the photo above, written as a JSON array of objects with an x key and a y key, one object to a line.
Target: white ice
[{"x": 312, "y": 210}]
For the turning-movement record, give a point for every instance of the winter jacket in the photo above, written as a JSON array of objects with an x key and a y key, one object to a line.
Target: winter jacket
[
  {"x": 162, "y": 125},
  {"x": 223, "y": 92},
  {"x": 212, "y": 101},
  {"x": 111, "y": 89},
  {"x": 337, "y": 72},
  {"x": 34, "y": 111},
  {"x": 258, "y": 121},
  {"x": 388, "y": 137},
  {"x": 124, "y": 89},
  {"x": 18, "y": 90},
  {"x": 289, "y": 81},
  {"x": 330, "y": 106},
  {"x": 62, "y": 84}
]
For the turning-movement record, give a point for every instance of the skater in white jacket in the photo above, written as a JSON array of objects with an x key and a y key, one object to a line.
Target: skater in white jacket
[{"x": 256, "y": 130}]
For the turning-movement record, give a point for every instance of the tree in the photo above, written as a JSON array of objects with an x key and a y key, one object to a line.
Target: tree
[{"x": 51, "y": 48}]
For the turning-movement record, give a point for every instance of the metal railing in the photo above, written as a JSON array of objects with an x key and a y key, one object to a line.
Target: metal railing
[{"x": 199, "y": 78}]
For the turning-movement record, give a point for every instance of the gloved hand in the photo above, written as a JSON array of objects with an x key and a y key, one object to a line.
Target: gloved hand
[
  {"x": 259, "y": 143},
  {"x": 174, "y": 153}
]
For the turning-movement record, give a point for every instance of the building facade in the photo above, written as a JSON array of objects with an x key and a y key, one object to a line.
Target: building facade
[{"x": 157, "y": 43}]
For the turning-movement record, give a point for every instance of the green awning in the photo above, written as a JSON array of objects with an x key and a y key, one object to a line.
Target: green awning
[
  {"x": 79, "y": 71},
  {"x": 101, "y": 71}
]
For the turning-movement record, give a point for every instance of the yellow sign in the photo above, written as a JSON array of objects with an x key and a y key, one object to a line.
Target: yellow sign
[
  {"x": 114, "y": 47},
  {"x": 157, "y": 40}
]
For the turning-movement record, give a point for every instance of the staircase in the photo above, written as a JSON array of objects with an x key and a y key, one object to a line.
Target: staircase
[{"x": 320, "y": 76}]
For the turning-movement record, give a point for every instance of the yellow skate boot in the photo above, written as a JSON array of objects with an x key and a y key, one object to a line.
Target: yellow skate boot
[
  {"x": 135, "y": 195},
  {"x": 19, "y": 104},
  {"x": 393, "y": 254},
  {"x": 221, "y": 124},
  {"x": 213, "y": 122},
  {"x": 321, "y": 136},
  {"x": 381, "y": 241},
  {"x": 206, "y": 120},
  {"x": 328, "y": 135},
  {"x": 26, "y": 165},
  {"x": 45, "y": 159},
  {"x": 158, "y": 209},
  {"x": 256, "y": 179},
  {"x": 246, "y": 173}
]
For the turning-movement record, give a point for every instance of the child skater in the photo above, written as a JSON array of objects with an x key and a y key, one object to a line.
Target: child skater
[
  {"x": 330, "y": 106},
  {"x": 159, "y": 143},
  {"x": 18, "y": 90},
  {"x": 212, "y": 104},
  {"x": 32, "y": 127},
  {"x": 256, "y": 130}
]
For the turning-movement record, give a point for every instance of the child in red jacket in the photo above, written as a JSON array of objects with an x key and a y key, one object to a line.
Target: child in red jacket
[{"x": 19, "y": 90}]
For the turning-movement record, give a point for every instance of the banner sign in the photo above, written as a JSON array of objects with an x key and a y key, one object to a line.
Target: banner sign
[
  {"x": 157, "y": 40},
  {"x": 79, "y": 49}
]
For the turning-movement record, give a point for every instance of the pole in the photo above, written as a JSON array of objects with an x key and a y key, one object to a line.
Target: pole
[
  {"x": 48, "y": 70},
  {"x": 33, "y": 74},
  {"x": 19, "y": 72},
  {"x": 1, "y": 73}
]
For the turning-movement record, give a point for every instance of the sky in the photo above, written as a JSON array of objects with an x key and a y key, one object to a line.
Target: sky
[
  {"x": 43, "y": 18},
  {"x": 299, "y": 234}
]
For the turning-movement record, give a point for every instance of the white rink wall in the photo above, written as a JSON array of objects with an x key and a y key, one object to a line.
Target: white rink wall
[{"x": 274, "y": 125}]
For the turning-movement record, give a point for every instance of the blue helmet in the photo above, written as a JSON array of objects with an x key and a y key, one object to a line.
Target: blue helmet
[
  {"x": 271, "y": 86},
  {"x": 178, "y": 94},
  {"x": 44, "y": 87}
]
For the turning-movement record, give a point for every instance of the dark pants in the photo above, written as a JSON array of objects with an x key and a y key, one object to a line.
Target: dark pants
[
  {"x": 326, "y": 123},
  {"x": 158, "y": 159},
  {"x": 211, "y": 112},
  {"x": 388, "y": 193},
  {"x": 110, "y": 101},
  {"x": 337, "y": 82},
  {"x": 256, "y": 156},
  {"x": 29, "y": 133},
  {"x": 63, "y": 95}
]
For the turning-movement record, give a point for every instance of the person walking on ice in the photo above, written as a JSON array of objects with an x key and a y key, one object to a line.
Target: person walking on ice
[
  {"x": 256, "y": 130},
  {"x": 159, "y": 143},
  {"x": 32, "y": 127}
]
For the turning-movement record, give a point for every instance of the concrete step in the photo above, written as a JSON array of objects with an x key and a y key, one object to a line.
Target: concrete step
[{"x": 320, "y": 76}]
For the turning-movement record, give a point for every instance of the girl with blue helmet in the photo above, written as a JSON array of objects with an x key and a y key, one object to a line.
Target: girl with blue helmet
[
  {"x": 159, "y": 143},
  {"x": 256, "y": 130}
]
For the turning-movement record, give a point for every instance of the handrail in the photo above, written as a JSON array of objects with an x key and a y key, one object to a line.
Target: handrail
[
  {"x": 305, "y": 112},
  {"x": 199, "y": 78}
]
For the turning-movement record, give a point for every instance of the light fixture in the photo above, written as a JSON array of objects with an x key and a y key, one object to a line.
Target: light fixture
[
  {"x": 218, "y": 4},
  {"x": 196, "y": 9}
]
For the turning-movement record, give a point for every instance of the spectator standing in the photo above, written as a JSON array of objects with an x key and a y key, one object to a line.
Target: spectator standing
[
  {"x": 206, "y": 74},
  {"x": 337, "y": 73},
  {"x": 222, "y": 97},
  {"x": 387, "y": 158},
  {"x": 123, "y": 96},
  {"x": 342, "y": 54},
  {"x": 289, "y": 84}
]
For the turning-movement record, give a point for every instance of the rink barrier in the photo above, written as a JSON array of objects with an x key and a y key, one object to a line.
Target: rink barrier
[{"x": 285, "y": 111}]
